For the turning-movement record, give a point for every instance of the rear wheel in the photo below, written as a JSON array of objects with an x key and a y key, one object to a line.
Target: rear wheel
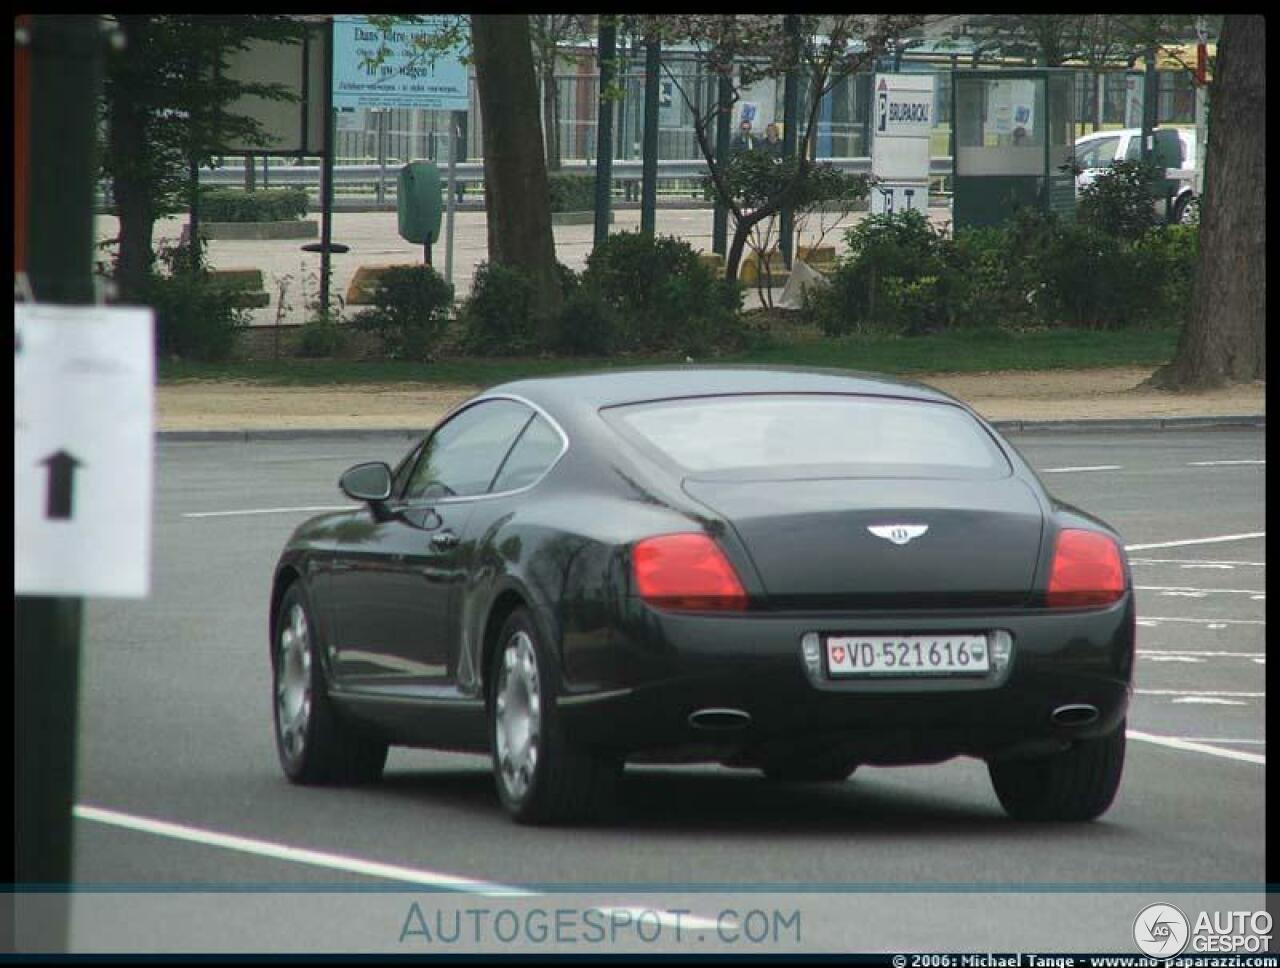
[
  {"x": 314, "y": 742},
  {"x": 1077, "y": 784},
  {"x": 541, "y": 776}
]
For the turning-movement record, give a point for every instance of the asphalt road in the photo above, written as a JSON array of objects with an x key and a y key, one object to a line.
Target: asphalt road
[{"x": 175, "y": 719}]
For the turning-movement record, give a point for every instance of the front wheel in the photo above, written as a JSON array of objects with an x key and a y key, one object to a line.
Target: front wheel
[
  {"x": 541, "y": 776},
  {"x": 1077, "y": 784},
  {"x": 315, "y": 744}
]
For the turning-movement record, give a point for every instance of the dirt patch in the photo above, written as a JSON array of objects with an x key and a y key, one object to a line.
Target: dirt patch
[{"x": 1009, "y": 395}]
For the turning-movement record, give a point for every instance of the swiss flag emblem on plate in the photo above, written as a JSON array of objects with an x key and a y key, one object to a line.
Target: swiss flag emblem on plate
[{"x": 837, "y": 654}]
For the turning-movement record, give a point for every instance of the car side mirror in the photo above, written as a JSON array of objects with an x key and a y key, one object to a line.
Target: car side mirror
[{"x": 369, "y": 482}]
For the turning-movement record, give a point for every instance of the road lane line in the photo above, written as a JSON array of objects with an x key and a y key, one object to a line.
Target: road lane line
[
  {"x": 297, "y": 855},
  {"x": 1223, "y": 739},
  {"x": 1196, "y": 541},
  {"x": 1211, "y": 591},
  {"x": 1200, "y": 692},
  {"x": 1190, "y": 746},
  {"x": 228, "y": 514},
  {"x": 1147, "y": 619},
  {"x": 1222, "y": 463},
  {"x": 1195, "y": 562},
  {"x": 1205, "y": 654},
  {"x": 1076, "y": 470}
]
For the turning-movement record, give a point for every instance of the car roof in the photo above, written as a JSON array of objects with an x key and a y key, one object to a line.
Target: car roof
[
  {"x": 1183, "y": 133},
  {"x": 615, "y": 387}
]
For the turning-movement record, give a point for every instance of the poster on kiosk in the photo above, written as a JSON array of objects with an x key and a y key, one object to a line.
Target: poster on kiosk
[{"x": 904, "y": 106}]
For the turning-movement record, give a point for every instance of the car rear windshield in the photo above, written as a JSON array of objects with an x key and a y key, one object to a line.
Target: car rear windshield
[{"x": 782, "y": 436}]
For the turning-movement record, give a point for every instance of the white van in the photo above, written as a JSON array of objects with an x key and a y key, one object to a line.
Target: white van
[{"x": 1176, "y": 147}]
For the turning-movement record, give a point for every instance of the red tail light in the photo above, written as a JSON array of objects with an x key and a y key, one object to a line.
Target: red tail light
[
  {"x": 1087, "y": 570},
  {"x": 687, "y": 572}
]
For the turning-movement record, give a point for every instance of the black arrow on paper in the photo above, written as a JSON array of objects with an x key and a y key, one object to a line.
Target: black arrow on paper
[{"x": 62, "y": 469}]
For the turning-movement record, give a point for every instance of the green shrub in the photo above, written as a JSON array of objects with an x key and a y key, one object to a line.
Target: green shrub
[
  {"x": 663, "y": 297},
  {"x": 1120, "y": 200},
  {"x": 196, "y": 319},
  {"x": 572, "y": 193},
  {"x": 497, "y": 317},
  {"x": 886, "y": 255},
  {"x": 410, "y": 312},
  {"x": 322, "y": 338},
  {"x": 992, "y": 283},
  {"x": 265, "y": 205},
  {"x": 587, "y": 326}
]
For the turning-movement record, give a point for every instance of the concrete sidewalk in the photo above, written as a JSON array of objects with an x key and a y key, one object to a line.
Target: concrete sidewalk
[{"x": 1059, "y": 399}]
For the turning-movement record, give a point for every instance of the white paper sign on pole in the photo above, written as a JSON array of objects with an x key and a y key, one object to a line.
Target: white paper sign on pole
[{"x": 83, "y": 379}]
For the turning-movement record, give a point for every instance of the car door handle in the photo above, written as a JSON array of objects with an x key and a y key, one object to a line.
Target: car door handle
[{"x": 445, "y": 539}]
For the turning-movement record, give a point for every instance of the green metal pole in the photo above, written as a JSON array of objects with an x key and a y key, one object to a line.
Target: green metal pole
[
  {"x": 790, "y": 118},
  {"x": 66, "y": 79},
  {"x": 649, "y": 147},
  {"x": 608, "y": 47},
  {"x": 720, "y": 217},
  {"x": 326, "y": 183}
]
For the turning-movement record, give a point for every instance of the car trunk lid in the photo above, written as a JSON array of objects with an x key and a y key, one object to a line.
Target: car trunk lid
[{"x": 936, "y": 543}]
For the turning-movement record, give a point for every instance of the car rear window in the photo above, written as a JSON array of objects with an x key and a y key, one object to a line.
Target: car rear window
[{"x": 774, "y": 436}]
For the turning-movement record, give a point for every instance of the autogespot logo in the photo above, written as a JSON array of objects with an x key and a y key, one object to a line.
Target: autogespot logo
[{"x": 1161, "y": 930}]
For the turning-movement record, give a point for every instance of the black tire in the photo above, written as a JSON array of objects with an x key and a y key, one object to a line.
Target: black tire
[
  {"x": 1075, "y": 785},
  {"x": 564, "y": 782},
  {"x": 815, "y": 770},
  {"x": 318, "y": 746},
  {"x": 1182, "y": 210}
]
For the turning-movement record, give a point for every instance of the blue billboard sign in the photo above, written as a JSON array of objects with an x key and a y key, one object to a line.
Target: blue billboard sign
[{"x": 407, "y": 76}]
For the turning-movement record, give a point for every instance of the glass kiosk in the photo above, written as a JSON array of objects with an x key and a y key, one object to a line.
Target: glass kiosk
[{"x": 1013, "y": 137}]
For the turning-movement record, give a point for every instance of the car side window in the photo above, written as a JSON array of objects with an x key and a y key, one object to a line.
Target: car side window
[
  {"x": 534, "y": 452},
  {"x": 1099, "y": 154},
  {"x": 462, "y": 456}
]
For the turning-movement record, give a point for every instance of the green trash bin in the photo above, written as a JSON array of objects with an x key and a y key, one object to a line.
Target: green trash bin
[{"x": 419, "y": 203}]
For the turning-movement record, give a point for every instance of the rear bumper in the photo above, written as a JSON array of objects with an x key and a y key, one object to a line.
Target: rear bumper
[{"x": 753, "y": 664}]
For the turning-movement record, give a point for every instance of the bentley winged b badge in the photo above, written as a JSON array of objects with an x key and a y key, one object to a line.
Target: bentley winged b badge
[{"x": 899, "y": 534}]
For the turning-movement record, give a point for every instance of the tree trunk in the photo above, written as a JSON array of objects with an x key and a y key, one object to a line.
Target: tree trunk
[
  {"x": 1224, "y": 339},
  {"x": 551, "y": 112},
  {"x": 131, "y": 189},
  {"x": 517, "y": 199}
]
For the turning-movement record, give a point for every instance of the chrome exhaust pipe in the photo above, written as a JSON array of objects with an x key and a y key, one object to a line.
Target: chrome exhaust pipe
[
  {"x": 1077, "y": 714},
  {"x": 719, "y": 719}
]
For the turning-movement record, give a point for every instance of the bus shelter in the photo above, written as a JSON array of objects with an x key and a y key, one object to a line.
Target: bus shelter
[{"x": 1013, "y": 144}]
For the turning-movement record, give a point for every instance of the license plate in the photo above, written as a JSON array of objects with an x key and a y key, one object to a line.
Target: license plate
[{"x": 907, "y": 655}]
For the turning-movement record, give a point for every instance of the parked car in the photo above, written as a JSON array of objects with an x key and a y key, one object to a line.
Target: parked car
[
  {"x": 796, "y": 571},
  {"x": 1175, "y": 148}
]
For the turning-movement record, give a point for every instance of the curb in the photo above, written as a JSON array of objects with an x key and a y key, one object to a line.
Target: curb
[{"x": 1242, "y": 422}]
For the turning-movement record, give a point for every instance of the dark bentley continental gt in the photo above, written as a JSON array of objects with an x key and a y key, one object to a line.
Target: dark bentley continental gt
[{"x": 796, "y": 571}]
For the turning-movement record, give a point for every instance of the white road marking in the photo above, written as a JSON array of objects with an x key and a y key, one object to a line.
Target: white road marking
[
  {"x": 1199, "y": 591},
  {"x": 1196, "y": 541},
  {"x": 1196, "y": 562},
  {"x": 1191, "y": 746},
  {"x": 1229, "y": 739},
  {"x": 228, "y": 514},
  {"x": 297, "y": 855},
  {"x": 1214, "y": 654},
  {"x": 1074, "y": 470},
  {"x": 1200, "y": 692},
  {"x": 1211, "y": 622},
  {"x": 1174, "y": 658},
  {"x": 1209, "y": 701},
  {"x": 1222, "y": 463}
]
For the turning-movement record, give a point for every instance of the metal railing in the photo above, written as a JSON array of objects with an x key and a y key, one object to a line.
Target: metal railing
[{"x": 472, "y": 172}]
